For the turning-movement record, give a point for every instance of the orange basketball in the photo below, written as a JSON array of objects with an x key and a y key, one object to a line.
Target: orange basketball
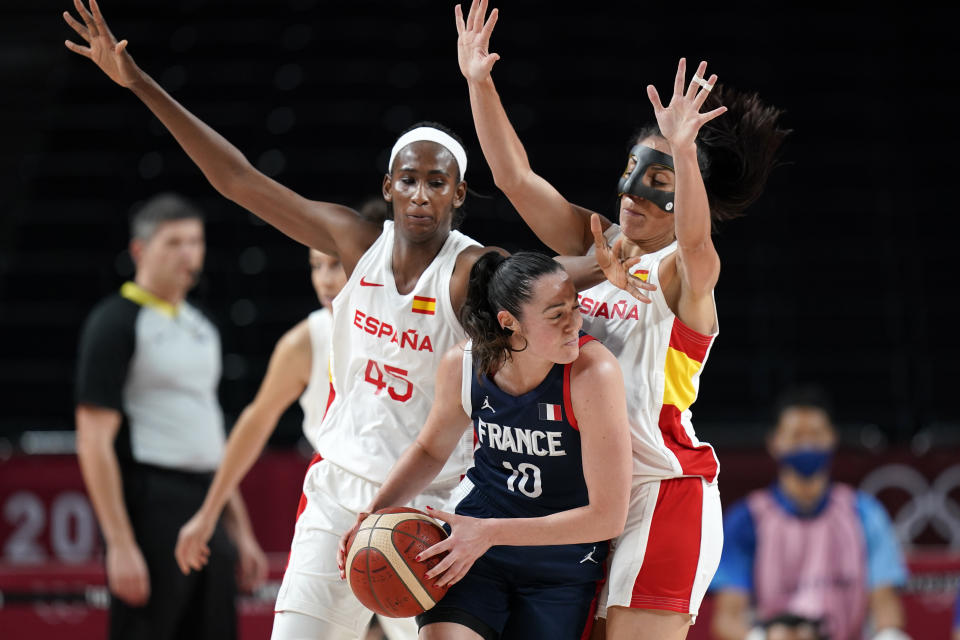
[{"x": 381, "y": 562}]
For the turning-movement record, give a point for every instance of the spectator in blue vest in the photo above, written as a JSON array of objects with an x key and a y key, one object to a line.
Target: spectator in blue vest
[{"x": 807, "y": 546}]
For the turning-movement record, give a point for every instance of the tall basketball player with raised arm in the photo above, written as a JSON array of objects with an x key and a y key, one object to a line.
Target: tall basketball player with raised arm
[{"x": 393, "y": 321}]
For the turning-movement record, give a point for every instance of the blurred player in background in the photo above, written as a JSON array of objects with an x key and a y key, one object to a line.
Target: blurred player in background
[
  {"x": 808, "y": 546},
  {"x": 299, "y": 367},
  {"x": 150, "y": 435}
]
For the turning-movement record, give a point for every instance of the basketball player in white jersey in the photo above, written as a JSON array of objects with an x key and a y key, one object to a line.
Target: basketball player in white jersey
[
  {"x": 662, "y": 563},
  {"x": 393, "y": 321},
  {"x": 299, "y": 366}
]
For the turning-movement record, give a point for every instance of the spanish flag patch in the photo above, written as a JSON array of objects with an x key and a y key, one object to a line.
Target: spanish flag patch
[
  {"x": 425, "y": 305},
  {"x": 643, "y": 274}
]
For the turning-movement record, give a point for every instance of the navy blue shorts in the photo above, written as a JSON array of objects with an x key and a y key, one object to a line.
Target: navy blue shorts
[{"x": 523, "y": 592}]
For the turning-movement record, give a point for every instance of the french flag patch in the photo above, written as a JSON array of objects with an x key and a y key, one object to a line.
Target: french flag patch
[{"x": 550, "y": 412}]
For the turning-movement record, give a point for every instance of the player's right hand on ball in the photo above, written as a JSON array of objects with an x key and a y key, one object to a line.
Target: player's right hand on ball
[
  {"x": 342, "y": 548},
  {"x": 127, "y": 574},
  {"x": 108, "y": 54},
  {"x": 469, "y": 539}
]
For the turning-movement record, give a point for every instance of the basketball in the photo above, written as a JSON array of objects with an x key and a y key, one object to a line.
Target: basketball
[{"x": 381, "y": 565}]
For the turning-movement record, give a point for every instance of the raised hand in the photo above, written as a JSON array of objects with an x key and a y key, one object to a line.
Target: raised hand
[
  {"x": 615, "y": 267},
  {"x": 473, "y": 41},
  {"x": 108, "y": 54},
  {"x": 680, "y": 121}
]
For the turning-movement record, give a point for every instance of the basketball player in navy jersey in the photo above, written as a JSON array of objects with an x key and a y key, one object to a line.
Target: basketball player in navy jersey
[{"x": 551, "y": 474}]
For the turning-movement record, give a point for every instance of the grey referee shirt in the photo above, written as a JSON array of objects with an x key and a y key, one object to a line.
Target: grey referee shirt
[{"x": 159, "y": 366}]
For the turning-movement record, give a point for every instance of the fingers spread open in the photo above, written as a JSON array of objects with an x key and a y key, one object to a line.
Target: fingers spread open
[
  {"x": 681, "y": 74},
  {"x": 599, "y": 242},
  {"x": 442, "y": 566},
  {"x": 84, "y": 51},
  {"x": 488, "y": 28},
  {"x": 699, "y": 74},
  {"x": 705, "y": 92},
  {"x": 654, "y": 98},
  {"x": 76, "y": 26},
  {"x": 472, "y": 15},
  {"x": 437, "y": 549},
  {"x": 710, "y": 115},
  {"x": 481, "y": 16},
  {"x": 86, "y": 17},
  {"x": 97, "y": 15}
]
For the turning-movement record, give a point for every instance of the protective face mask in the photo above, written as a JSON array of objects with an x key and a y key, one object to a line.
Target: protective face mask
[
  {"x": 632, "y": 181},
  {"x": 807, "y": 462}
]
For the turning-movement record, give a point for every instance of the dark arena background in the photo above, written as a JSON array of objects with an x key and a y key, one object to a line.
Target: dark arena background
[{"x": 842, "y": 274}]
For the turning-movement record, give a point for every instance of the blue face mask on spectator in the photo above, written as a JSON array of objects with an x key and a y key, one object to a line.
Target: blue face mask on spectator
[{"x": 807, "y": 462}]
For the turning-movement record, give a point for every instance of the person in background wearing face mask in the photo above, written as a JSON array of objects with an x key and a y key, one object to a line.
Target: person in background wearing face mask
[
  {"x": 808, "y": 546},
  {"x": 791, "y": 627},
  {"x": 150, "y": 435}
]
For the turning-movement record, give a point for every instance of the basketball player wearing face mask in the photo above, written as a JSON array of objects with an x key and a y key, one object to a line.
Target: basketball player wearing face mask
[{"x": 807, "y": 546}]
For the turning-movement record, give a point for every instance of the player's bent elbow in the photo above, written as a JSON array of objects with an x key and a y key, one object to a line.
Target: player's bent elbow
[{"x": 612, "y": 522}]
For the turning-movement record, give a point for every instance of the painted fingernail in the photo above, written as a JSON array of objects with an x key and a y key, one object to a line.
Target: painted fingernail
[{"x": 418, "y": 558}]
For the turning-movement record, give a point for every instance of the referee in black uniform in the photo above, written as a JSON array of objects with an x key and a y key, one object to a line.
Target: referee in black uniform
[{"x": 150, "y": 435}]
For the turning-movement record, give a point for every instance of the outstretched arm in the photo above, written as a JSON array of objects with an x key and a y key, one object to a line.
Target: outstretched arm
[
  {"x": 330, "y": 228},
  {"x": 562, "y": 226},
  {"x": 696, "y": 261}
]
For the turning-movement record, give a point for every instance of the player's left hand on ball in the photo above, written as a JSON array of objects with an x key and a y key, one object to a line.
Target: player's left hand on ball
[
  {"x": 342, "y": 549},
  {"x": 468, "y": 541}
]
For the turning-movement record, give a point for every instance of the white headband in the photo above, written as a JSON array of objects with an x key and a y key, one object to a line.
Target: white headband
[{"x": 431, "y": 135}]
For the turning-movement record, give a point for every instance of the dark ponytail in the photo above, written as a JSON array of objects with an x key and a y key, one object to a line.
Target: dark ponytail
[
  {"x": 736, "y": 152},
  {"x": 498, "y": 283}
]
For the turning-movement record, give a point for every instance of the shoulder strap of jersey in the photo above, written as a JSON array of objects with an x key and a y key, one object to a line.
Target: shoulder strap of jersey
[
  {"x": 466, "y": 384},
  {"x": 567, "y": 398}
]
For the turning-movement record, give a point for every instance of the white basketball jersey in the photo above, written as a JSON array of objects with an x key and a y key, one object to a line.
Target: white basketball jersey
[
  {"x": 384, "y": 358},
  {"x": 313, "y": 400},
  {"x": 661, "y": 359}
]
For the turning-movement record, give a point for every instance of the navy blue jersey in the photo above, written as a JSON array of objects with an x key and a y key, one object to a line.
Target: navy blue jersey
[
  {"x": 527, "y": 460},
  {"x": 527, "y": 463}
]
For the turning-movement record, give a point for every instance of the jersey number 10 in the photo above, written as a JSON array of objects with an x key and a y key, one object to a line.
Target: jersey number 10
[{"x": 525, "y": 471}]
